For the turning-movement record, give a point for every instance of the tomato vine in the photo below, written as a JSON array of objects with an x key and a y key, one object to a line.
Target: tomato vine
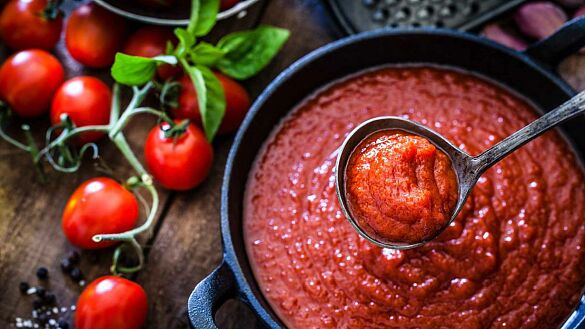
[{"x": 239, "y": 55}]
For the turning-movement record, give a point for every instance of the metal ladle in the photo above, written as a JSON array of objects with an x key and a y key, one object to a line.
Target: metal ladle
[{"x": 468, "y": 169}]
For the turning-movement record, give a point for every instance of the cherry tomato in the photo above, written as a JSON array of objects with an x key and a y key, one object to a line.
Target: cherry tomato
[
  {"x": 87, "y": 101},
  {"x": 111, "y": 302},
  {"x": 237, "y": 103},
  {"x": 28, "y": 81},
  {"x": 150, "y": 41},
  {"x": 99, "y": 205},
  {"x": 227, "y": 4},
  {"x": 23, "y": 25},
  {"x": 93, "y": 35},
  {"x": 178, "y": 163}
]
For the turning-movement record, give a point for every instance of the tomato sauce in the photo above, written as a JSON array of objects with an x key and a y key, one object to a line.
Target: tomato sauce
[
  {"x": 400, "y": 188},
  {"x": 513, "y": 258}
]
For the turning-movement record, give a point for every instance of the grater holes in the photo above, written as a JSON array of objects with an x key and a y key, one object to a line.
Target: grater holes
[
  {"x": 448, "y": 11},
  {"x": 380, "y": 15},
  {"x": 437, "y": 13},
  {"x": 403, "y": 14},
  {"x": 425, "y": 12}
]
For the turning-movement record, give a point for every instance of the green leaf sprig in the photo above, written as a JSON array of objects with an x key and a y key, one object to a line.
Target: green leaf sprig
[{"x": 239, "y": 55}]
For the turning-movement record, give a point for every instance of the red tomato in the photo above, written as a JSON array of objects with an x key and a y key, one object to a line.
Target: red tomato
[
  {"x": 93, "y": 35},
  {"x": 178, "y": 163},
  {"x": 226, "y": 4},
  {"x": 98, "y": 206},
  {"x": 23, "y": 25},
  {"x": 111, "y": 302},
  {"x": 87, "y": 101},
  {"x": 28, "y": 81},
  {"x": 150, "y": 41},
  {"x": 237, "y": 103}
]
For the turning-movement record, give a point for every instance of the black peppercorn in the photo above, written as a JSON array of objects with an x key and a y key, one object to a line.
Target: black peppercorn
[
  {"x": 23, "y": 287},
  {"x": 50, "y": 298},
  {"x": 73, "y": 257},
  {"x": 76, "y": 274},
  {"x": 62, "y": 324},
  {"x": 41, "y": 292},
  {"x": 42, "y": 273},
  {"x": 66, "y": 265},
  {"x": 43, "y": 318},
  {"x": 37, "y": 304}
]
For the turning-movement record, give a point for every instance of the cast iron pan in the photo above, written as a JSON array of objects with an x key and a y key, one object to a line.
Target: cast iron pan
[{"x": 528, "y": 73}]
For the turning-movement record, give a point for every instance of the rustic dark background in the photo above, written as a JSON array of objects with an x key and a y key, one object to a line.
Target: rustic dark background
[{"x": 184, "y": 246}]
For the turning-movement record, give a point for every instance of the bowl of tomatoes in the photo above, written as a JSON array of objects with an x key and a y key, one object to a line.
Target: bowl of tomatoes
[{"x": 168, "y": 12}]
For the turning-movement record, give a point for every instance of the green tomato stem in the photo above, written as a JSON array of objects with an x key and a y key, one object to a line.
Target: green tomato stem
[
  {"x": 117, "y": 269},
  {"x": 129, "y": 235},
  {"x": 115, "y": 109},
  {"x": 120, "y": 141},
  {"x": 34, "y": 151},
  {"x": 69, "y": 133},
  {"x": 5, "y": 136},
  {"x": 138, "y": 97}
]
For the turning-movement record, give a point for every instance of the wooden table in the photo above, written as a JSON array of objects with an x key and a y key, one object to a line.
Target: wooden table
[{"x": 184, "y": 246}]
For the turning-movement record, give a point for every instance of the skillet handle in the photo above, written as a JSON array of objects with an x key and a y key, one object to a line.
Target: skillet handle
[
  {"x": 566, "y": 41},
  {"x": 209, "y": 295}
]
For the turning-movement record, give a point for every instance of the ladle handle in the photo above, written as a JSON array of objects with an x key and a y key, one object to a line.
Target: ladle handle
[{"x": 564, "y": 112}]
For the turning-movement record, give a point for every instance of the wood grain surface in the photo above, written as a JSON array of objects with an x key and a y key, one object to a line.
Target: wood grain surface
[{"x": 185, "y": 244}]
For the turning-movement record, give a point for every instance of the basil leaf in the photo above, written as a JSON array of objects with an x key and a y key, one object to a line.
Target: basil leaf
[
  {"x": 216, "y": 103},
  {"x": 165, "y": 59},
  {"x": 206, "y": 54},
  {"x": 210, "y": 98},
  {"x": 248, "y": 52},
  {"x": 186, "y": 41},
  {"x": 133, "y": 70},
  {"x": 194, "y": 16},
  {"x": 207, "y": 17}
]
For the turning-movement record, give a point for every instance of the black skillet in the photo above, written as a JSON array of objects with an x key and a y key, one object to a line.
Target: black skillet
[{"x": 529, "y": 73}]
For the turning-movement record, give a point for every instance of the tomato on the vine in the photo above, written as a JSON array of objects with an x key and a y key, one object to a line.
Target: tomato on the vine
[
  {"x": 98, "y": 206},
  {"x": 227, "y": 4},
  {"x": 111, "y": 302},
  {"x": 237, "y": 103},
  {"x": 24, "y": 24},
  {"x": 150, "y": 41},
  {"x": 87, "y": 101},
  {"x": 93, "y": 35},
  {"x": 181, "y": 162},
  {"x": 28, "y": 81}
]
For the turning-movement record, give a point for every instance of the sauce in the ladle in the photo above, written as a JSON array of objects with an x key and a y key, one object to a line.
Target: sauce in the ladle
[{"x": 400, "y": 187}]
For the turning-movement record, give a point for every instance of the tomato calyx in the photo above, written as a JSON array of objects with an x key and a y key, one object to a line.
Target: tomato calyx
[
  {"x": 53, "y": 10},
  {"x": 175, "y": 131}
]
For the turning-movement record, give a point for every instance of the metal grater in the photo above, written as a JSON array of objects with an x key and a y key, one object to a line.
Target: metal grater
[{"x": 363, "y": 15}]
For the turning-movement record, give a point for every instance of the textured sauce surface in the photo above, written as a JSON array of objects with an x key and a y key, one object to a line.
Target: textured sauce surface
[
  {"x": 400, "y": 188},
  {"x": 513, "y": 258}
]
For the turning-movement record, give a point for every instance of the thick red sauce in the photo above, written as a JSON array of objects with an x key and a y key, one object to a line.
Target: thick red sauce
[
  {"x": 400, "y": 188},
  {"x": 513, "y": 258}
]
